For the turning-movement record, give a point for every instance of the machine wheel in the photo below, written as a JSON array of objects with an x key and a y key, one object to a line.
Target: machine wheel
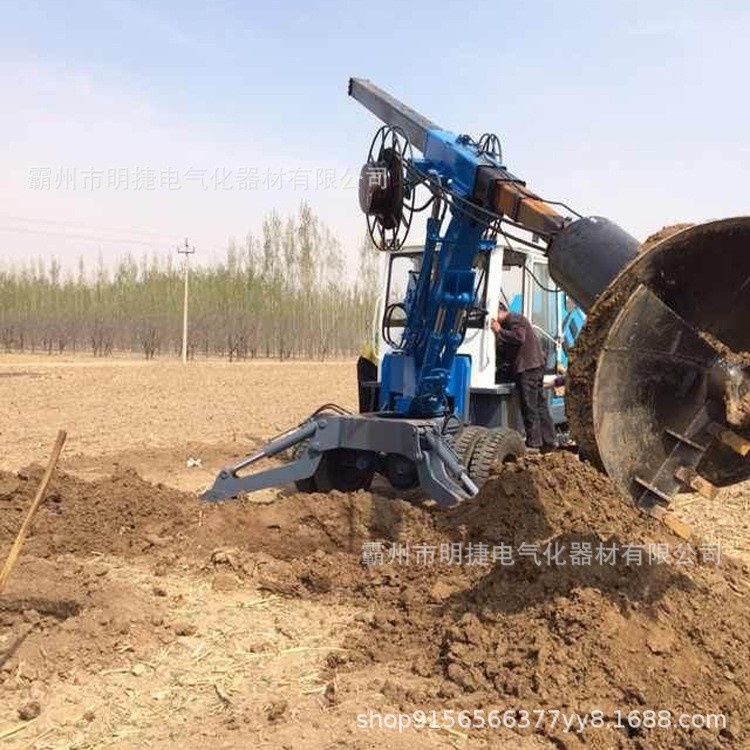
[
  {"x": 466, "y": 441},
  {"x": 400, "y": 472},
  {"x": 501, "y": 444},
  {"x": 306, "y": 485},
  {"x": 350, "y": 470},
  {"x": 343, "y": 469}
]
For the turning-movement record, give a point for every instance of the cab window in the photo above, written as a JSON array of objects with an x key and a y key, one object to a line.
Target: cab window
[{"x": 543, "y": 301}]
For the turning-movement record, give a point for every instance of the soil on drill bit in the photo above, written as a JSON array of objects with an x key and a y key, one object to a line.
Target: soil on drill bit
[
  {"x": 736, "y": 394},
  {"x": 730, "y": 357},
  {"x": 608, "y": 635},
  {"x": 738, "y": 405},
  {"x": 579, "y": 383},
  {"x": 663, "y": 234},
  {"x": 585, "y": 353}
]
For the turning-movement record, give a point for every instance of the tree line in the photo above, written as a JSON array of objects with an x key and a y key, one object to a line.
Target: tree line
[{"x": 281, "y": 294}]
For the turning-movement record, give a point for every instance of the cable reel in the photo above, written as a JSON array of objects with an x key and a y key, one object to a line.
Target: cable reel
[{"x": 386, "y": 195}]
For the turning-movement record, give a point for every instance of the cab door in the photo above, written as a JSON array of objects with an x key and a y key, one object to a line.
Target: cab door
[
  {"x": 544, "y": 312},
  {"x": 545, "y": 302}
]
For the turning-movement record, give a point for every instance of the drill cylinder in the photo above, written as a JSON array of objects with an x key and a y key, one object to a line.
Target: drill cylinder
[{"x": 586, "y": 256}]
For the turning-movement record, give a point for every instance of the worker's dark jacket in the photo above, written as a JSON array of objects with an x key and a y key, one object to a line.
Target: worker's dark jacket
[{"x": 521, "y": 344}]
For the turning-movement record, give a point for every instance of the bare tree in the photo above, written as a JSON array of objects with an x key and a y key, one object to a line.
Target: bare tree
[{"x": 283, "y": 294}]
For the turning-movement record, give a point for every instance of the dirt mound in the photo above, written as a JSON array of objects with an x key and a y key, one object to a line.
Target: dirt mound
[
  {"x": 126, "y": 516},
  {"x": 581, "y": 632},
  {"x": 540, "y": 497},
  {"x": 117, "y": 515},
  {"x": 96, "y": 579},
  {"x": 582, "y": 637}
]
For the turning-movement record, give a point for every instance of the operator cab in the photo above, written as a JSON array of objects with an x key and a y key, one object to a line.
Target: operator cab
[{"x": 516, "y": 275}]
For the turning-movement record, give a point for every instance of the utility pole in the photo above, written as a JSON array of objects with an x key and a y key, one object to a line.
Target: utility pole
[{"x": 187, "y": 251}]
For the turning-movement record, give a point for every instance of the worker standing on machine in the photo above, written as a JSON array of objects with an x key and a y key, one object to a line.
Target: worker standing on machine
[{"x": 516, "y": 334}]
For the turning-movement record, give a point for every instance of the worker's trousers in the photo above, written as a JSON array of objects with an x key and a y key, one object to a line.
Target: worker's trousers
[{"x": 540, "y": 429}]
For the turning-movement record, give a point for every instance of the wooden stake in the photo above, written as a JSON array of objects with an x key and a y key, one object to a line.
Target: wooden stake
[
  {"x": 15, "y": 550},
  {"x": 671, "y": 521},
  {"x": 691, "y": 478},
  {"x": 730, "y": 438}
]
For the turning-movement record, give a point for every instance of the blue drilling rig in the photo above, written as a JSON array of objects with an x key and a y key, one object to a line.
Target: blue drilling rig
[{"x": 654, "y": 318}]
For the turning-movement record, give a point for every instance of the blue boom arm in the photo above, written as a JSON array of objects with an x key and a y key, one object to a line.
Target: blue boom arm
[
  {"x": 468, "y": 180},
  {"x": 436, "y": 314}
]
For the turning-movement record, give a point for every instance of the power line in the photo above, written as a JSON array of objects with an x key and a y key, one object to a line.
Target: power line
[
  {"x": 75, "y": 236},
  {"x": 84, "y": 225},
  {"x": 102, "y": 238}
]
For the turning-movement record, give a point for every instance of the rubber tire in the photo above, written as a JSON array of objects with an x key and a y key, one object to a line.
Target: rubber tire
[
  {"x": 466, "y": 442},
  {"x": 331, "y": 465},
  {"x": 499, "y": 444},
  {"x": 410, "y": 483},
  {"x": 328, "y": 477},
  {"x": 306, "y": 485}
]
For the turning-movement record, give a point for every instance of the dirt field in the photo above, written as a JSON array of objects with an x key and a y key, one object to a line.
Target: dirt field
[{"x": 139, "y": 617}]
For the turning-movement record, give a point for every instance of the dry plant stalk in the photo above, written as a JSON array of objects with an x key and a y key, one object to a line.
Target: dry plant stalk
[{"x": 15, "y": 550}]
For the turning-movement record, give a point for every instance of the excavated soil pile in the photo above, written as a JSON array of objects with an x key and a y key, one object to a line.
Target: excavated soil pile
[
  {"x": 73, "y": 607},
  {"x": 126, "y": 516},
  {"x": 580, "y": 638},
  {"x": 474, "y": 634},
  {"x": 115, "y": 516}
]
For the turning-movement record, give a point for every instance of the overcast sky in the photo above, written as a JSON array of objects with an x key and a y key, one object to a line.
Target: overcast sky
[{"x": 127, "y": 125}]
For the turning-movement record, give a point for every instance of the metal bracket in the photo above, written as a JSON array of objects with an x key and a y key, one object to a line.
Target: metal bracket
[
  {"x": 229, "y": 484},
  {"x": 441, "y": 475}
]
